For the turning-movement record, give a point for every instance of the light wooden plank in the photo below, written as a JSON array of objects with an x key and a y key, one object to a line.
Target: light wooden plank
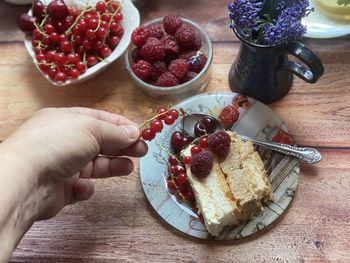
[{"x": 118, "y": 225}]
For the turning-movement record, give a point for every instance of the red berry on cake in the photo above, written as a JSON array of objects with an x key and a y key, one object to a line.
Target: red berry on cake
[
  {"x": 219, "y": 143},
  {"x": 228, "y": 116},
  {"x": 201, "y": 164}
]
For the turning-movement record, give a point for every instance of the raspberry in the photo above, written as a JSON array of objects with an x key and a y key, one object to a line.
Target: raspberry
[
  {"x": 135, "y": 55},
  {"x": 171, "y": 23},
  {"x": 190, "y": 75},
  {"x": 219, "y": 143},
  {"x": 179, "y": 68},
  {"x": 153, "y": 50},
  {"x": 142, "y": 69},
  {"x": 228, "y": 116},
  {"x": 201, "y": 164},
  {"x": 185, "y": 36},
  {"x": 170, "y": 46},
  {"x": 167, "y": 79},
  {"x": 158, "y": 68},
  {"x": 197, "y": 63},
  {"x": 188, "y": 54},
  {"x": 155, "y": 31},
  {"x": 197, "y": 42},
  {"x": 140, "y": 35}
]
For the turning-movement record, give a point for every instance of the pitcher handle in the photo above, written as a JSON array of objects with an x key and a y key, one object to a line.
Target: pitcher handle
[{"x": 301, "y": 52}]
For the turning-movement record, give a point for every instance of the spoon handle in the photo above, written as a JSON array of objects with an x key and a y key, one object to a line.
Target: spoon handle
[{"x": 309, "y": 155}]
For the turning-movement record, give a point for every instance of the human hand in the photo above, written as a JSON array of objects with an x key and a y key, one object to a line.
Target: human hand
[{"x": 62, "y": 147}]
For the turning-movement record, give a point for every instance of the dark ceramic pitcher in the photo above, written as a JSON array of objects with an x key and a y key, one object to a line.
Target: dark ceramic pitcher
[{"x": 266, "y": 74}]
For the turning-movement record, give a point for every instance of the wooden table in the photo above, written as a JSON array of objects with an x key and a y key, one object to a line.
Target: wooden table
[{"x": 117, "y": 224}]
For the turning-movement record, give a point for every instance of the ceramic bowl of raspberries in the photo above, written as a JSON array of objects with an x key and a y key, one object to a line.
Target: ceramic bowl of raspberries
[
  {"x": 71, "y": 41},
  {"x": 170, "y": 57}
]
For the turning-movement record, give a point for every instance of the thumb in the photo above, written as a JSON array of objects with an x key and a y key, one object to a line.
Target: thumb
[{"x": 112, "y": 138}]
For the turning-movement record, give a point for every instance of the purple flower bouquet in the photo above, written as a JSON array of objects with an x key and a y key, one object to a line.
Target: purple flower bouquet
[
  {"x": 268, "y": 30},
  {"x": 269, "y": 22}
]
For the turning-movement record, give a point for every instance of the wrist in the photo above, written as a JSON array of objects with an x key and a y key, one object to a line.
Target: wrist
[{"x": 18, "y": 206}]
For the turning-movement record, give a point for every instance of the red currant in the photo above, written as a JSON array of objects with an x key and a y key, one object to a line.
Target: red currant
[
  {"x": 87, "y": 44},
  {"x": 161, "y": 112},
  {"x": 182, "y": 180},
  {"x": 52, "y": 73},
  {"x": 98, "y": 45},
  {"x": 203, "y": 142},
  {"x": 195, "y": 150},
  {"x": 91, "y": 60},
  {"x": 60, "y": 77},
  {"x": 118, "y": 17},
  {"x": 171, "y": 186},
  {"x": 63, "y": 37},
  {"x": 49, "y": 28},
  {"x": 174, "y": 113},
  {"x": 173, "y": 160},
  {"x": 44, "y": 67},
  {"x": 74, "y": 73},
  {"x": 92, "y": 23},
  {"x": 39, "y": 57},
  {"x": 73, "y": 58},
  {"x": 113, "y": 42},
  {"x": 190, "y": 197},
  {"x": 60, "y": 59},
  {"x": 50, "y": 55},
  {"x": 90, "y": 34},
  {"x": 101, "y": 6},
  {"x": 54, "y": 37},
  {"x": 177, "y": 169},
  {"x": 101, "y": 32},
  {"x": 169, "y": 120},
  {"x": 73, "y": 12},
  {"x": 65, "y": 46},
  {"x": 105, "y": 52},
  {"x": 148, "y": 134},
  {"x": 156, "y": 126},
  {"x": 187, "y": 159},
  {"x": 81, "y": 67},
  {"x": 104, "y": 24}
]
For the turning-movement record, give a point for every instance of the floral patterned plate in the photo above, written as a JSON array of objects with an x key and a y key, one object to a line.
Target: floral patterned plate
[{"x": 258, "y": 121}]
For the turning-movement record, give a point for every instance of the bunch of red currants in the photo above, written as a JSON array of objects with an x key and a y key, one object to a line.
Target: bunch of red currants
[{"x": 67, "y": 41}]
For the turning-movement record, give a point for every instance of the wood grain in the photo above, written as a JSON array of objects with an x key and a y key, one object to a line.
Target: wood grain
[
  {"x": 117, "y": 224},
  {"x": 316, "y": 114}
]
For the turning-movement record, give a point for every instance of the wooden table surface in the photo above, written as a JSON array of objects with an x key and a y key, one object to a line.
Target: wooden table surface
[{"x": 117, "y": 224}]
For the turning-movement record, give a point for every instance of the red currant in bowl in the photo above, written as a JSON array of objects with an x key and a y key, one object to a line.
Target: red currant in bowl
[{"x": 65, "y": 30}]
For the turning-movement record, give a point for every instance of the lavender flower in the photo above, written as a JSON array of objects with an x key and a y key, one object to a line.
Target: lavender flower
[
  {"x": 269, "y": 22},
  {"x": 244, "y": 14},
  {"x": 288, "y": 26}
]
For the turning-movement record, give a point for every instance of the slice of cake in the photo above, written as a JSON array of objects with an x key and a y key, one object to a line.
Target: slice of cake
[
  {"x": 252, "y": 166},
  {"x": 229, "y": 181},
  {"x": 214, "y": 199}
]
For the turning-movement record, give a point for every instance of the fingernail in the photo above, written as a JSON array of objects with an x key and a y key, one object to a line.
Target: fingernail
[{"x": 132, "y": 131}]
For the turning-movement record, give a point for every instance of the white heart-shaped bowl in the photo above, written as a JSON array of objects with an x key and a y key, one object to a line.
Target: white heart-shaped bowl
[{"x": 131, "y": 20}]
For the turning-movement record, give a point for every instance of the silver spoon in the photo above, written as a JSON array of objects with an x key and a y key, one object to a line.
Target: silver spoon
[{"x": 309, "y": 155}]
